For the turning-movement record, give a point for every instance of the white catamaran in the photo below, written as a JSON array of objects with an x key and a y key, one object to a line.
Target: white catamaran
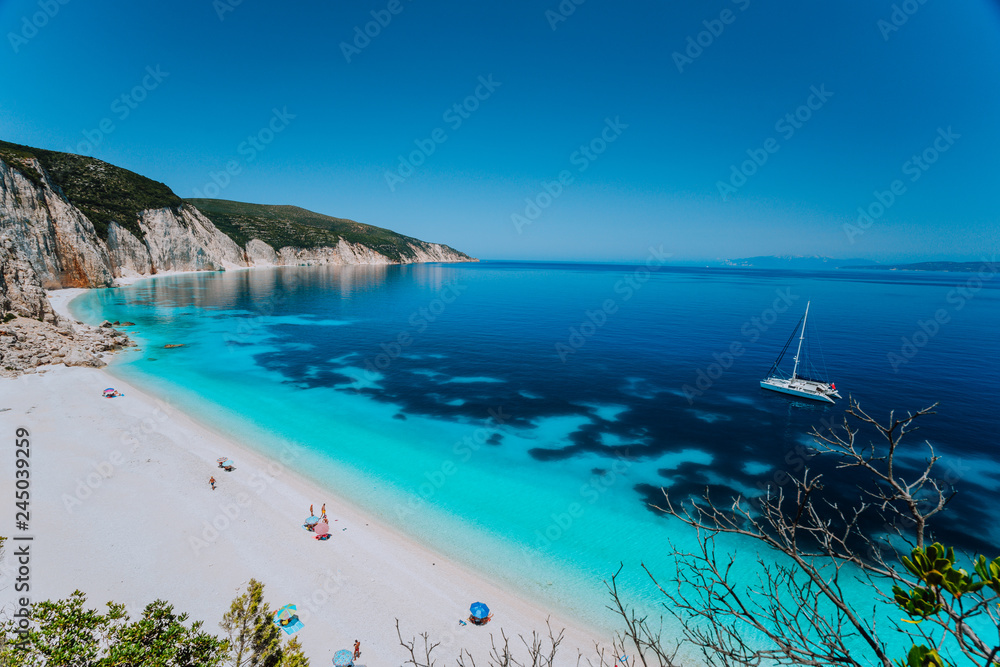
[{"x": 797, "y": 385}]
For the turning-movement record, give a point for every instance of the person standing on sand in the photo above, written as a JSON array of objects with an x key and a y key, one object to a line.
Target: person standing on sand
[
  {"x": 323, "y": 509},
  {"x": 357, "y": 649},
  {"x": 311, "y": 511},
  {"x": 211, "y": 480}
]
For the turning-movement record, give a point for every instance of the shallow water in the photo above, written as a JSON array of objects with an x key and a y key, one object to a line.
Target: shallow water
[{"x": 520, "y": 417}]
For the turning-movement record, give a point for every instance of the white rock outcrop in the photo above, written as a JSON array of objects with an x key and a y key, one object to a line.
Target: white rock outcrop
[
  {"x": 129, "y": 255},
  {"x": 47, "y": 243},
  {"x": 187, "y": 241},
  {"x": 52, "y": 234},
  {"x": 260, "y": 254},
  {"x": 21, "y": 290}
]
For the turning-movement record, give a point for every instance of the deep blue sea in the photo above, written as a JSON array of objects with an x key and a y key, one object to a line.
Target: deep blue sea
[{"x": 521, "y": 417}]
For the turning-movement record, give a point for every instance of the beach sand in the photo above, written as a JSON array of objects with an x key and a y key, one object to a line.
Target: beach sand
[{"x": 122, "y": 509}]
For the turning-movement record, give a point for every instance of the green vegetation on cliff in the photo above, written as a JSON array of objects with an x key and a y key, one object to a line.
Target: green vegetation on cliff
[
  {"x": 102, "y": 191},
  {"x": 106, "y": 193},
  {"x": 281, "y": 226}
]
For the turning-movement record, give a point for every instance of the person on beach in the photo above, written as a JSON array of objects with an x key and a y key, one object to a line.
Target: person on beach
[
  {"x": 211, "y": 480},
  {"x": 357, "y": 649},
  {"x": 323, "y": 509},
  {"x": 311, "y": 511}
]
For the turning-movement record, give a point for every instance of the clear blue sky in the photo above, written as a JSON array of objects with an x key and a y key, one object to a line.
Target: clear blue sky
[{"x": 656, "y": 183}]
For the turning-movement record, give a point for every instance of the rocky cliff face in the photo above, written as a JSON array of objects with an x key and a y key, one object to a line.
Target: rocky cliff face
[
  {"x": 56, "y": 239},
  {"x": 46, "y": 242},
  {"x": 355, "y": 253},
  {"x": 20, "y": 289}
]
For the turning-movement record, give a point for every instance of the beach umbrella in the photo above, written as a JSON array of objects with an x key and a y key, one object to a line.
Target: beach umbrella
[
  {"x": 313, "y": 520},
  {"x": 222, "y": 459},
  {"x": 343, "y": 658},
  {"x": 479, "y": 610},
  {"x": 228, "y": 463},
  {"x": 109, "y": 389},
  {"x": 284, "y": 615},
  {"x": 322, "y": 528}
]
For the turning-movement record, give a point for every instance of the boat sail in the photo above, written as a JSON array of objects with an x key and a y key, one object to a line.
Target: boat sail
[{"x": 798, "y": 385}]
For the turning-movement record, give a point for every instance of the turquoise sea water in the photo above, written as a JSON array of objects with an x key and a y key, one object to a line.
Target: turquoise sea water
[{"x": 520, "y": 417}]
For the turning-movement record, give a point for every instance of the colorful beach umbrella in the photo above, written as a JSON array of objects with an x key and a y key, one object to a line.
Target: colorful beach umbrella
[
  {"x": 285, "y": 615},
  {"x": 322, "y": 528},
  {"x": 221, "y": 459},
  {"x": 286, "y": 619},
  {"x": 343, "y": 658},
  {"x": 479, "y": 610}
]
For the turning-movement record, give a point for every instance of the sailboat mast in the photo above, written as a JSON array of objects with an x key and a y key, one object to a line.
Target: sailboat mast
[{"x": 798, "y": 353}]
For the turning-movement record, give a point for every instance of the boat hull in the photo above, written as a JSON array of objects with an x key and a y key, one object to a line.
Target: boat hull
[{"x": 814, "y": 391}]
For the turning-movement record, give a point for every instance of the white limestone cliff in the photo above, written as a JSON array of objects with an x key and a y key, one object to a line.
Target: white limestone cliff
[{"x": 47, "y": 243}]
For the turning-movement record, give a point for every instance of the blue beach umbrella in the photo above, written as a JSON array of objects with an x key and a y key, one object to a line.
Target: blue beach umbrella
[
  {"x": 228, "y": 463},
  {"x": 312, "y": 521},
  {"x": 343, "y": 658},
  {"x": 479, "y": 610}
]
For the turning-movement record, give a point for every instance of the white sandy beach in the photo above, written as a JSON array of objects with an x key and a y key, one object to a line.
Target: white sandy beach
[{"x": 122, "y": 510}]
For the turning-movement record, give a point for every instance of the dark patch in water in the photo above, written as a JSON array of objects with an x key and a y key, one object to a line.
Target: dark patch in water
[
  {"x": 767, "y": 430},
  {"x": 650, "y": 351},
  {"x": 689, "y": 480},
  {"x": 400, "y": 416}
]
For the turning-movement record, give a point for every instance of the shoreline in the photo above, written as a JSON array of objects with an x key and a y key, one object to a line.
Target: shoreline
[
  {"x": 155, "y": 512},
  {"x": 139, "y": 502}
]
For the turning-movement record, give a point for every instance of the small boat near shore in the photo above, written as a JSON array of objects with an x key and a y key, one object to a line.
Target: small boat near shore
[{"x": 797, "y": 385}]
